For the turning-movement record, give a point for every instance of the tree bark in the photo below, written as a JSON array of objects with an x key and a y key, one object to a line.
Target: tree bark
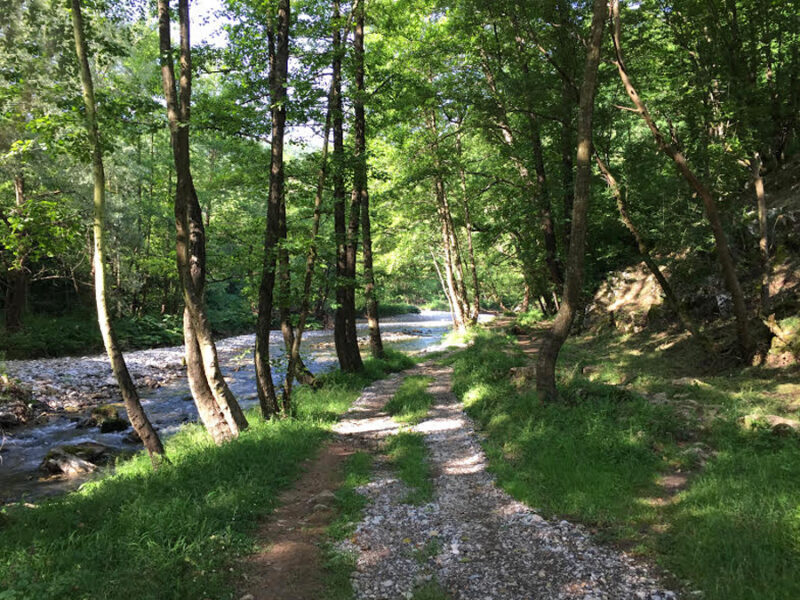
[
  {"x": 344, "y": 320},
  {"x": 190, "y": 238},
  {"x": 279, "y": 66},
  {"x": 305, "y": 302},
  {"x": 763, "y": 238},
  {"x": 141, "y": 424},
  {"x": 548, "y": 355},
  {"x": 360, "y": 187},
  {"x": 476, "y": 288},
  {"x": 746, "y": 344}
]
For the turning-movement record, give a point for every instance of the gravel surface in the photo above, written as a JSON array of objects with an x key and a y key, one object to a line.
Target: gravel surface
[{"x": 476, "y": 541}]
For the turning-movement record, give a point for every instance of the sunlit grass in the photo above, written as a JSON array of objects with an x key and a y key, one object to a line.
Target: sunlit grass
[
  {"x": 411, "y": 401},
  {"x": 596, "y": 456}
]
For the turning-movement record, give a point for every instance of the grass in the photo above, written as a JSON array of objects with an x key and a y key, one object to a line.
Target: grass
[
  {"x": 409, "y": 456},
  {"x": 349, "y": 507},
  {"x": 596, "y": 457},
  {"x": 411, "y": 401},
  {"x": 172, "y": 533},
  {"x": 431, "y": 590}
]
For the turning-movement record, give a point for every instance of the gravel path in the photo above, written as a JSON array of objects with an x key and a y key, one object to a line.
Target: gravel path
[{"x": 473, "y": 538}]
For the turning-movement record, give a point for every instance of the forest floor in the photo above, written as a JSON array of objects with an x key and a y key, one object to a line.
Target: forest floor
[{"x": 429, "y": 520}]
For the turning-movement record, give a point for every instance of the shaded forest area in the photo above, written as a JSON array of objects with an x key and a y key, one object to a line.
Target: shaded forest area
[{"x": 618, "y": 182}]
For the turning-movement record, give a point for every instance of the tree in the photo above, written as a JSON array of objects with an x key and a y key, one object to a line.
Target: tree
[
  {"x": 360, "y": 193},
  {"x": 216, "y": 404},
  {"x": 345, "y": 320},
  {"x": 548, "y": 355},
  {"x": 141, "y": 424},
  {"x": 746, "y": 343},
  {"x": 279, "y": 67}
]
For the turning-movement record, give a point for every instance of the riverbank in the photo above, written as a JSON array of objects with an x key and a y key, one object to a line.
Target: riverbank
[
  {"x": 173, "y": 533},
  {"x": 66, "y": 390}
]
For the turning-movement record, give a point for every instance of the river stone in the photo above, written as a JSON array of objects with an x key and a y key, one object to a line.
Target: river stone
[{"x": 75, "y": 460}]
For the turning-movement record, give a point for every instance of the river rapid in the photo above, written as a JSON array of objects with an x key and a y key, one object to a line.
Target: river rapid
[{"x": 68, "y": 388}]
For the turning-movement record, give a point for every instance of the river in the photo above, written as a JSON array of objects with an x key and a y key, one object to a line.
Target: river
[{"x": 71, "y": 386}]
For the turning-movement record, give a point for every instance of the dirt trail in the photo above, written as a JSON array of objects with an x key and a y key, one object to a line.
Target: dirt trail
[{"x": 473, "y": 539}]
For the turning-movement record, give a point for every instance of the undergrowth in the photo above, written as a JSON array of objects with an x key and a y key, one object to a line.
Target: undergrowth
[
  {"x": 175, "y": 532},
  {"x": 596, "y": 456}
]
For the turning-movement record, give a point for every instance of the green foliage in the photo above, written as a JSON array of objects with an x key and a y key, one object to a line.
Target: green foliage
[
  {"x": 409, "y": 456},
  {"x": 411, "y": 401}
]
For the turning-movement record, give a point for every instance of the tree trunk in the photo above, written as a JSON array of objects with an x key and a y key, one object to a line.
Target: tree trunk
[
  {"x": 141, "y": 424},
  {"x": 746, "y": 343},
  {"x": 360, "y": 186},
  {"x": 279, "y": 65},
  {"x": 17, "y": 291},
  {"x": 672, "y": 299},
  {"x": 476, "y": 288},
  {"x": 300, "y": 371},
  {"x": 294, "y": 355},
  {"x": 548, "y": 355},
  {"x": 444, "y": 289},
  {"x": 763, "y": 239},
  {"x": 344, "y": 321},
  {"x": 190, "y": 239}
]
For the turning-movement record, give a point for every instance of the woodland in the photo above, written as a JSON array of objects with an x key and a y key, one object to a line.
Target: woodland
[{"x": 602, "y": 199}]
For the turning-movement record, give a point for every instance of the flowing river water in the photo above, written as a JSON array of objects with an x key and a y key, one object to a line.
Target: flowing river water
[{"x": 71, "y": 386}]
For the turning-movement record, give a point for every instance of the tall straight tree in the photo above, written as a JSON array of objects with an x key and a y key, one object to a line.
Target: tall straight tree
[
  {"x": 360, "y": 192},
  {"x": 746, "y": 344},
  {"x": 141, "y": 424},
  {"x": 216, "y": 405},
  {"x": 546, "y": 364},
  {"x": 345, "y": 319},
  {"x": 279, "y": 68}
]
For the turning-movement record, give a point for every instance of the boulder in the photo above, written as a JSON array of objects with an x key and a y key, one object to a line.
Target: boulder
[
  {"x": 106, "y": 417},
  {"x": 75, "y": 460}
]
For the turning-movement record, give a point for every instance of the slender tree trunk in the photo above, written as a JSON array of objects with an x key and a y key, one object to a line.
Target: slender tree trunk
[
  {"x": 190, "y": 239},
  {"x": 476, "y": 288},
  {"x": 548, "y": 355},
  {"x": 300, "y": 371},
  {"x": 647, "y": 257},
  {"x": 545, "y": 212},
  {"x": 17, "y": 291},
  {"x": 763, "y": 239},
  {"x": 569, "y": 99},
  {"x": 141, "y": 424},
  {"x": 305, "y": 302},
  {"x": 360, "y": 186},
  {"x": 344, "y": 320},
  {"x": 746, "y": 343},
  {"x": 445, "y": 289},
  {"x": 279, "y": 65}
]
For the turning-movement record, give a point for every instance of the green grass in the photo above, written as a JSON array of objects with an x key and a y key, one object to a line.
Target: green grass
[
  {"x": 409, "y": 456},
  {"x": 172, "y": 533},
  {"x": 596, "y": 456},
  {"x": 411, "y": 402},
  {"x": 349, "y": 507},
  {"x": 431, "y": 590}
]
